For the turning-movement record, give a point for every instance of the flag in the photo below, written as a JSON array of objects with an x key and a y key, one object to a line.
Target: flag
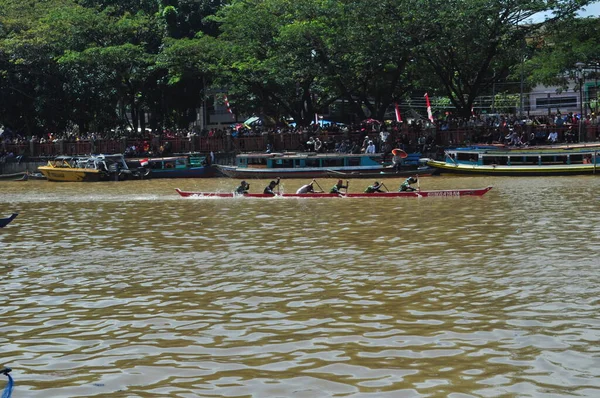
[
  {"x": 144, "y": 162},
  {"x": 227, "y": 104},
  {"x": 429, "y": 114},
  {"x": 398, "y": 117},
  {"x": 228, "y": 107}
]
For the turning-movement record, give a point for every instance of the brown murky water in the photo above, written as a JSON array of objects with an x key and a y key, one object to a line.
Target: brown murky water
[{"x": 127, "y": 290}]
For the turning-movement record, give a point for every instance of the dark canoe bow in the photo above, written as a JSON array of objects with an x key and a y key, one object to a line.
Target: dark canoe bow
[{"x": 5, "y": 221}]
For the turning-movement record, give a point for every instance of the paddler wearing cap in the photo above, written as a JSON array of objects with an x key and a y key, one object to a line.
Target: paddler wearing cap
[
  {"x": 269, "y": 188},
  {"x": 374, "y": 188},
  {"x": 406, "y": 185},
  {"x": 339, "y": 185},
  {"x": 243, "y": 188}
]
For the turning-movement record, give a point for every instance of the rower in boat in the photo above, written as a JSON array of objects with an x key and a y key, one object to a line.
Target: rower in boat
[
  {"x": 308, "y": 188},
  {"x": 340, "y": 185},
  {"x": 374, "y": 188},
  {"x": 406, "y": 185},
  {"x": 243, "y": 188},
  {"x": 269, "y": 188}
]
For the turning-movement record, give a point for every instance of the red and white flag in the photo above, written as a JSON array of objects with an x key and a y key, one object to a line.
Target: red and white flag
[
  {"x": 429, "y": 114},
  {"x": 227, "y": 104},
  {"x": 398, "y": 117},
  {"x": 144, "y": 162}
]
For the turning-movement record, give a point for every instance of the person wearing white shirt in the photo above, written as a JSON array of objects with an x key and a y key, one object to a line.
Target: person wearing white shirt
[{"x": 370, "y": 147}]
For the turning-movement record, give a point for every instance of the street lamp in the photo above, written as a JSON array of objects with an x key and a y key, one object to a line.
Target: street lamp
[{"x": 580, "y": 66}]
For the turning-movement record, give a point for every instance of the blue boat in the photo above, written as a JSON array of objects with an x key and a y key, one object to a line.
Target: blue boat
[
  {"x": 309, "y": 165},
  {"x": 185, "y": 166}
]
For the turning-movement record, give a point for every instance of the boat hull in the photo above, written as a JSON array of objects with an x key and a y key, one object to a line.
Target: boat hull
[
  {"x": 500, "y": 170},
  {"x": 63, "y": 174},
  {"x": 385, "y": 173},
  {"x": 379, "y": 195},
  {"x": 192, "y": 172},
  {"x": 307, "y": 172}
]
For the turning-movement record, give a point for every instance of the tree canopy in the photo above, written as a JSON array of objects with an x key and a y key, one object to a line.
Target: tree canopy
[{"x": 103, "y": 64}]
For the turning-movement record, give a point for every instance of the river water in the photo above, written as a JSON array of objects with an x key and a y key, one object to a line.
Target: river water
[{"x": 128, "y": 290}]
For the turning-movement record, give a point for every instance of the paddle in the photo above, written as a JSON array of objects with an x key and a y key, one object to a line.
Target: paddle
[
  {"x": 386, "y": 188},
  {"x": 315, "y": 181},
  {"x": 340, "y": 193}
]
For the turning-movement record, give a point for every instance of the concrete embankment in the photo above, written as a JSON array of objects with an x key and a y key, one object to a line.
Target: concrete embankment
[{"x": 20, "y": 167}]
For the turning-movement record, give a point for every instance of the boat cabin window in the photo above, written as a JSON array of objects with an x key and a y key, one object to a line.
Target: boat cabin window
[
  {"x": 497, "y": 160},
  {"x": 555, "y": 159},
  {"x": 252, "y": 162},
  {"x": 524, "y": 160},
  {"x": 576, "y": 159},
  {"x": 180, "y": 163},
  {"x": 353, "y": 161},
  {"x": 283, "y": 163},
  {"x": 466, "y": 157},
  {"x": 311, "y": 162},
  {"x": 333, "y": 162},
  {"x": 169, "y": 164}
]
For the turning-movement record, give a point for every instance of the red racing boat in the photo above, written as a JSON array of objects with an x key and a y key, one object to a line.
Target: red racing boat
[{"x": 408, "y": 194}]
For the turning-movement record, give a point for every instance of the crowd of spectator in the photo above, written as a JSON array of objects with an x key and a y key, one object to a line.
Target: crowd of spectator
[{"x": 418, "y": 135}]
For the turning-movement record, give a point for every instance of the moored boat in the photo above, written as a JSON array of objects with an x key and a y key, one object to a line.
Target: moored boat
[
  {"x": 387, "y": 172},
  {"x": 92, "y": 168},
  {"x": 184, "y": 166},
  {"x": 533, "y": 161},
  {"x": 403, "y": 194},
  {"x": 306, "y": 165}
]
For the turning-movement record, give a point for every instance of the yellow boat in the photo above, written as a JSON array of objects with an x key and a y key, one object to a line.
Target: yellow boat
[{"x": 93, "y": 168}]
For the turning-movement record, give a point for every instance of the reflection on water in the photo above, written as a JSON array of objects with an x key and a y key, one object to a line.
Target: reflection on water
[{"x": 126, "y": 289}]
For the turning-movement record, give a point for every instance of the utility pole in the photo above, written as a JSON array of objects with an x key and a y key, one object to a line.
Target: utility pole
[{"x": 580, "y": 66}]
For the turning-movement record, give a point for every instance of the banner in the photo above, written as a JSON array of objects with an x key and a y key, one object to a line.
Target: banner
[{"x": 398, "y": 117}]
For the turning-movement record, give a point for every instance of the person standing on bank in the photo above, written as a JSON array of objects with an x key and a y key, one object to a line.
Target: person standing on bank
[{"x": 370, "y": 148}]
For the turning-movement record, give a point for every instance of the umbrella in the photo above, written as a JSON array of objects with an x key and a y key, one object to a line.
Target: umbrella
[
  {"x": 399, "y": 152},
  {"x": 253, "y": 119}
]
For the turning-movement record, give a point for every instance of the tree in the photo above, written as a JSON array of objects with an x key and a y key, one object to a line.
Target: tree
[
  {"x": 475, "y": 43},
  {"x": 564, "y": 44}
]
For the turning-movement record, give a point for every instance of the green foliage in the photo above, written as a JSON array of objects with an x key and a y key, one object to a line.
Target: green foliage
[
  {"x": 103, "y": 63},
  {"x": 565, "y": 43}
]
